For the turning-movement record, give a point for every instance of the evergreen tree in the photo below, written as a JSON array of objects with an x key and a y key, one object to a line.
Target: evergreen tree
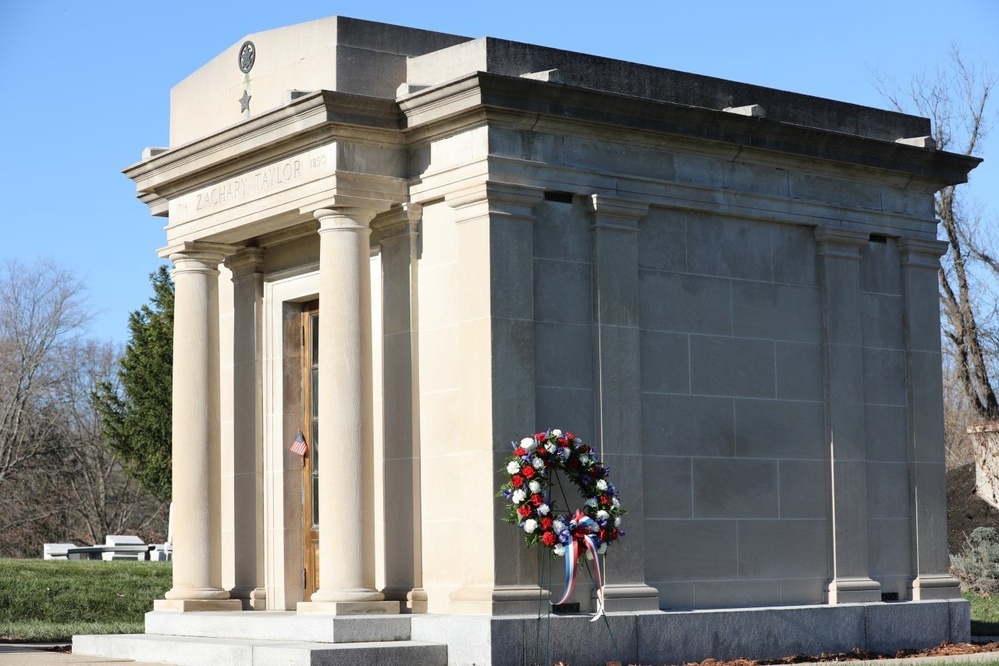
[{"x": 136, "y": 415}]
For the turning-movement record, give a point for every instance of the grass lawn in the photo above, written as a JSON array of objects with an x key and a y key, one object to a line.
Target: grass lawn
[
  {"x": 50, "y": 600},
  {"x": 984, "y": 614}
]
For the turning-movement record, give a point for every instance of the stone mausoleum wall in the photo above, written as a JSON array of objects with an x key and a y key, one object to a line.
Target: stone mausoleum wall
[{"x": 729, "y": 291}]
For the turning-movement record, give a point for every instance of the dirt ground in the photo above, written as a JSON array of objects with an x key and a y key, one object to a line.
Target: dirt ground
[
  {"x": 942, "y": 650},
  {"x": 965, "y": 510}
]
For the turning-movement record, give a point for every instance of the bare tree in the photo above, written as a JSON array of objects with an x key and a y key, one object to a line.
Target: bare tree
[
  {"x": 99, "y": 496},
  {"x": 958, "y": 102},
  {"x": 58, "y": 479},
  {"x": 41, "y": 314}
]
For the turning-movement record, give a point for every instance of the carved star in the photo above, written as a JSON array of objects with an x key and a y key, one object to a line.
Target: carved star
[{"x": 244, "y": 102}]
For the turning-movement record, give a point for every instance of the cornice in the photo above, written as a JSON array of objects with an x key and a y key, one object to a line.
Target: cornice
[
  {"x": 312, "y": 119},
  {"x": 438, "y": 106}
]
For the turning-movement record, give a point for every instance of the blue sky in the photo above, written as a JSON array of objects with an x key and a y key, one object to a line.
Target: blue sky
[{"x": 84, "y": 87}]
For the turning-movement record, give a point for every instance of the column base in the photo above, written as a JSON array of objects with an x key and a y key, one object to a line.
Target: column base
[
  {"x": 197, "y": 605},
  {"x": 504, "y": 600},
  {"x": 347, "y": 608},
  {"x": 629, "y": 597},
  {"x": 253, "y": 598},
  {"x": 937, "y": 586},
  {"x": 854, "y": 591},
  {"x": 411, "y": 600}
]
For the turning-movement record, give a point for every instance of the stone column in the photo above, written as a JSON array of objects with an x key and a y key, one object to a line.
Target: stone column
[
  {"x": 617, "y": 391},
  {"x": 196, "y": 432},
  {"x": 403, "y": 516},
  {"x": 496, "y": 403},
  {"x": 346, "y": 475},
  {"x": 839, "y": 275},
  {"x": 247, "y": 455},
  {"x": 927, "y": 467}
]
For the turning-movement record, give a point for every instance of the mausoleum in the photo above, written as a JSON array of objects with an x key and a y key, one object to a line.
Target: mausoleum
[{"x": 413, "y": 248}]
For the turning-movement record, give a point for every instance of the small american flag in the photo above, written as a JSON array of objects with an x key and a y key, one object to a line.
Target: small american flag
[{"x": 299, "y": 446}]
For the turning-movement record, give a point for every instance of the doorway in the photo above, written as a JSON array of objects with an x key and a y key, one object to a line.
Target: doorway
[{"x": 310, "y": 462}]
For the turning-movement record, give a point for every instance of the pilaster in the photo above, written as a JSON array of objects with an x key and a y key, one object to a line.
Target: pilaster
[
  {"x": 247, "y": 454},
  {"x": 398, "y": 234},
  {"x": 617, "y": 358},
  {"x": 497, "y": 403},
  {"x": 927, "y": 472},
  {"x": 196, "y": 431},
  {"x": 839, "y": 276}
]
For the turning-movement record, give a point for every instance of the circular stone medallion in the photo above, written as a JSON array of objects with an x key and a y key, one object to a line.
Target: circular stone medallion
[{"x": 247, "y": 55}]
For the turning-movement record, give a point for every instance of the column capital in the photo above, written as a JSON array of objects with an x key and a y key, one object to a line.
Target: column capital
[
  {"x": 398, "y": 222},
  {"x": 495, "y": 198},
  {"x": 840, "y": 243},
  {"x": 920, "y": 253},
  {"x": 210, "y": 254},
  {"x": 616, "y": 212},
  {"x": 246, "y": 261}
]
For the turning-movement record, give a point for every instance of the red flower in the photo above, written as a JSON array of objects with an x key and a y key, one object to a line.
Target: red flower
[
  {"x": 585, "y": 448},
  {"x": 527, "y": 471},
  {"x": 540, "y": 436},
  {"x": 603, "y": 534},
  {"x": 546, "y": 523},
  {"x": 563, "y": 442},
  {"x": 516, "y": 480},
  {"x": 537, "y": 499},
  {"x": 605, "y": 500},
  {"x": 521, "y": 451},
  {"x": 569, "y": 436},
  {"x": 524, "y": 511},
  {"x": 548, "y": 538},
  {"x": 573, "y": 463}
]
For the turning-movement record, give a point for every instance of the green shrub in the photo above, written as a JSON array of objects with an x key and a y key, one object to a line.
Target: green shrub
[{"x": 977, "y": 565}]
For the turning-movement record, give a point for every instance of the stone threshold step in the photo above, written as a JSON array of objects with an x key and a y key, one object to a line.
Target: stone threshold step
[
  {"x": 201, "y": 651},
  {"x": 280, "y": 626}
]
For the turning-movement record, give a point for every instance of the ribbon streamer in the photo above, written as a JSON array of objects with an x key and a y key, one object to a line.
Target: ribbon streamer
[{"x": 581, "y": 521}]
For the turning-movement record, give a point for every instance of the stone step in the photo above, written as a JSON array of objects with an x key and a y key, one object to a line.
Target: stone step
[
  {"x": 281, "y": 625},
  {"x": 201, "y": 651}
]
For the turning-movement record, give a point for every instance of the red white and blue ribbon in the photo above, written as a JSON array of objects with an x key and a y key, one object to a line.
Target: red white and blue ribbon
[{"x": 582, "y": 529}]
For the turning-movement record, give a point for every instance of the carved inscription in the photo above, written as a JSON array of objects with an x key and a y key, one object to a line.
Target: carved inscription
[{"x": 254, "y": 185}]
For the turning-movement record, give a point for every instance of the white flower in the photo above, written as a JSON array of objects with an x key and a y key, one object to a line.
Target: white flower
[
  {"x": 615, "y": 502},
  {"x": 601, "y": 484},
  {"x": 602, "y": 515},
  {"x": 550, "y": 447},
  {"x": 602, "y": 548},
  {"x": 584, "y": 458},
  {"x": 512, "y": 467},
  {"x": 534, "y": 486},
  {"x": 518, "y": 496},
  {"x": 559, "y": 549},
  {"x": 528, "y": 444},
  {"x": 617, "y": 522},
  {"x": 538, "y": 463},
  {"x": 530, "y": 525},
  {"x": 592, "y": 502},
  {"x": 558, "y": 526},
  {"x": 544, "y": 509},
  {"x": 556, "y": 433}
]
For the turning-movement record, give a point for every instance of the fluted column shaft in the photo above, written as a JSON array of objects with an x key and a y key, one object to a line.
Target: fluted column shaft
[
  {"x": 196, "y": 431},
  {"x": 346, "y": 467}
]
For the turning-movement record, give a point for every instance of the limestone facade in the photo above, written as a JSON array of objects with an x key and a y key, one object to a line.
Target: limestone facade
[{"x": 729, "y": 291}]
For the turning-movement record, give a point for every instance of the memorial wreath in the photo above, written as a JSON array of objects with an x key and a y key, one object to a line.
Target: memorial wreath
[{"x": 586, "y": 531}]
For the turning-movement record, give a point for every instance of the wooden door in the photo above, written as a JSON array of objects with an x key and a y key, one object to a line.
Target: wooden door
[{"x": 310, "y": 426}]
